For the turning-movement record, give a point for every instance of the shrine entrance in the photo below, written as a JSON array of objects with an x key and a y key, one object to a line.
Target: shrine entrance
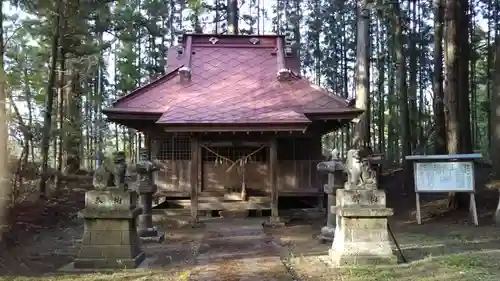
[{"x": 235, "y": 171}]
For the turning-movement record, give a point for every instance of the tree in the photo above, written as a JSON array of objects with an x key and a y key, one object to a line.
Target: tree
[
  {"x": 362, "y": 133},
  {"x": 49, "y": 101}
]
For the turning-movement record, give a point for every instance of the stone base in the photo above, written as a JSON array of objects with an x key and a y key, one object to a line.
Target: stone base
[
  {"x": 151, "y": 235},
  {"x": 361, "y": 234},
  {"x": 110, "y": 240},
  {"x": 327, "y": 234},
  {"x": 195, "y": 223},
  {"x": 107, "y": 263},
  {"x": 274, "y": 222},
  {"x": 70, "y": 267},
  {"x": 340, "y": 260},
  {"x": 360, "y": 240}
]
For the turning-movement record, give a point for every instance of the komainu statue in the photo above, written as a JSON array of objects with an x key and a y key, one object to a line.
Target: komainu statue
[
  {"x": 361, "y": 171},
  {"x": 353, "y": 163},
  {"x": 111, "y": 174},
  {"x": 102, "y": 177},
  {"x": 119, "y": 170}
]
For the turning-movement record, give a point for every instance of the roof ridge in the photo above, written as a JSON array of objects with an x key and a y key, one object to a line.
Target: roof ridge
[{"x": 333, "y": 95}]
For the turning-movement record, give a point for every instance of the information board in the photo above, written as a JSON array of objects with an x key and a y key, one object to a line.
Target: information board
[{"x": 444, "y": 177}]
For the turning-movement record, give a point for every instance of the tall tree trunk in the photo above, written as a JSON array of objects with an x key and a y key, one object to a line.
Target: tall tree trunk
[
  {"x": 413, "y": 69},
  {"x": 463, "y": 76},
  {"x": 232, "y": 16},
  {"x": 391, "y": 102},
  {"x": 495, "y": 119},
  {"x": 438, "y": 78},
  {"x": 362, "y": 134},
  {"x": 60, "y": 105},
  {"x": 72, "y": 133},
  {"x": 451, "y": 77},
  {"x": 402, "y": 89},
  {"x": 456, "y": 97},
  {"x": 381, "y": 56},
  {"x": 49, "y": 101}
]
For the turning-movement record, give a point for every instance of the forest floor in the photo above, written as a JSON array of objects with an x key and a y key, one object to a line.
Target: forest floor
[{"x": 447, "y": 246}]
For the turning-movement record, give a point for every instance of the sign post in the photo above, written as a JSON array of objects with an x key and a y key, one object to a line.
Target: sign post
[{"x": 444, "y": 173}]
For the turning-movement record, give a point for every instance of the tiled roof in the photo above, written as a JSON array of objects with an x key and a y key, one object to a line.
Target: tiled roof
[{"x": 229, "y": 83}]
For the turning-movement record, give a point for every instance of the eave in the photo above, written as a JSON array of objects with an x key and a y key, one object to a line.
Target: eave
[
  {"x": 327, "y": 114},
  {"x": 241, "y": 127},
  {"x": 116, "y": 114}
]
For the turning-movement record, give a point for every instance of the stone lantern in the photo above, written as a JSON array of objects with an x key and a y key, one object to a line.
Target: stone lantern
[
  {"x": 336, "y": 180},
  {"x": 146, "y": 187}
]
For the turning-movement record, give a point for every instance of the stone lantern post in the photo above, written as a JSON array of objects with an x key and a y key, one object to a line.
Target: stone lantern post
[
  {"x": 336, "y": 180},
  {"x": 146, "y": 188}
]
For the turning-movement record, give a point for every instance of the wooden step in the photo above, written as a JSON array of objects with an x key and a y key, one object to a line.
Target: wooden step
[
  {"x": 255, "y": 199},
  {"x": 223, "y": 205},
  {"x": 214, "y": 193}
]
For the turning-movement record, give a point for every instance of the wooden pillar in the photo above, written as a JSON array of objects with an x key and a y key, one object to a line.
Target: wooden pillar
[
  {"x": 155, "y": 145},
  {"x": 147, "y": 144},
  {"x": 273, "y": 182},
  {"x": 195, "y": 157},
  {"x": 200, "y": 167},
  {"x": 317, "y": 156}
]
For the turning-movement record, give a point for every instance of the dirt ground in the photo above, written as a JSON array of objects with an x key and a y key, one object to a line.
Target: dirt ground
[{"x": 445, "y": 247}]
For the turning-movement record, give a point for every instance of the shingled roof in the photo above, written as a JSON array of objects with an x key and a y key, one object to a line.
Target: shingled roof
[{"x": 231, "y": 79}]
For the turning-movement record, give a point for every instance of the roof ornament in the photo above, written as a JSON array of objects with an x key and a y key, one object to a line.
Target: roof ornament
[
  {"x": 213, "y": 40},
  {"x": 185, "y": 74},
  {"x": 284, "y": 74},
  {"x": 254, "y": 40},
  {"x": 185, "y": 70}
]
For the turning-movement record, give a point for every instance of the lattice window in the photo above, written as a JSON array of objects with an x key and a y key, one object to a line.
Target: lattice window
[
  {"x": 175, "y": 148},
  {"x": 234, "y": 153}
]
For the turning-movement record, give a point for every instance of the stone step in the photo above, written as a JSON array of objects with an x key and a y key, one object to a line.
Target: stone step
[
  {"x": 172, "y": 212},
  {"x": 172, "y": 217}
]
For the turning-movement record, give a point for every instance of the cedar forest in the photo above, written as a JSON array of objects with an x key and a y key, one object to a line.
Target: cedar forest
[{"x": 432, "y": 83}]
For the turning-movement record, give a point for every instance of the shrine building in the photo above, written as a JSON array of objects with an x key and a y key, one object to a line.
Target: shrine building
[{"x": 234, "y": 123}]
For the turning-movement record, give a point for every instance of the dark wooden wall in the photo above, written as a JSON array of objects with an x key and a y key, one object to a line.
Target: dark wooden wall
[{"x": 297, "y": 160}]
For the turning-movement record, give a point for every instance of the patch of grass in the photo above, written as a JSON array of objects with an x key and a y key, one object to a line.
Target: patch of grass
[
  {"x": 140, "y": 275},
  {"x": 474, "y": 266}
]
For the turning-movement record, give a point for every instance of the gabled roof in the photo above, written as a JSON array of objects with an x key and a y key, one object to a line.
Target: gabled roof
[{"x": 232, "y": 79}]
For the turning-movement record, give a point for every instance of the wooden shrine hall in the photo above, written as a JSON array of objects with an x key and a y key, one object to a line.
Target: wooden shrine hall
[{"x": 233, "y": 123}]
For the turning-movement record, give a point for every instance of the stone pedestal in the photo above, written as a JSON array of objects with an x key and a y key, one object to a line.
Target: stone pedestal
[
  {"x": 145, "y": 228},
  {"x": 361, "y": 235},
  {"x": 146, "y": 188},
  {"x": 328, "y": 231},
  {"x": 110, "y": 240}
]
